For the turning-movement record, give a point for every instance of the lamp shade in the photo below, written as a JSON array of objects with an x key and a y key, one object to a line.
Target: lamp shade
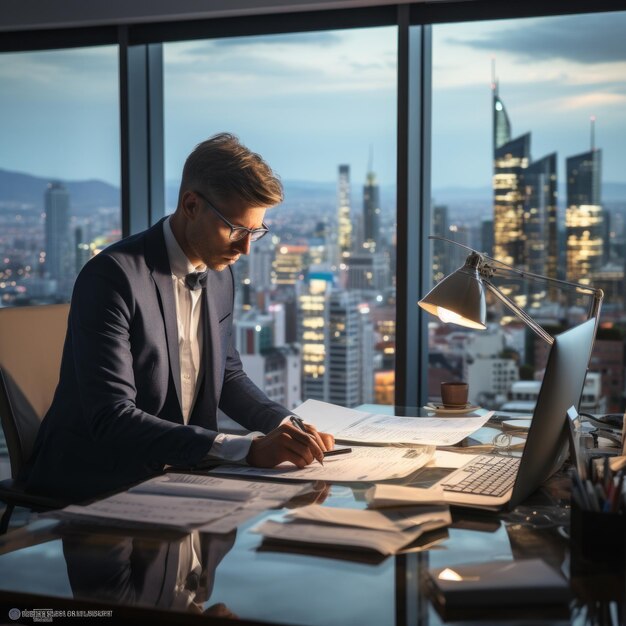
[{"x": 459, "y": 299}]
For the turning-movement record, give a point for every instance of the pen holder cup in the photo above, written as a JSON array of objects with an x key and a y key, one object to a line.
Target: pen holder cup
[{"x": 597, "y": 543}]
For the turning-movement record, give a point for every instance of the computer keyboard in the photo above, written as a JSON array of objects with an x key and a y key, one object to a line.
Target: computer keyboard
[{"x": 485, "y": 476}]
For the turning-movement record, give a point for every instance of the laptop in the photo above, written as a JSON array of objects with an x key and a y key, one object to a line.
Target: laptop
[{"x": 496, "y": 481}]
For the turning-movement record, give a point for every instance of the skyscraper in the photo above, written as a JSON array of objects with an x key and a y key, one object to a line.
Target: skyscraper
[
  {"x": 440, "y": 263},
  {"x": 337, "y": 343},
  {"x": 583, "y": 216},
  {"x": 501, "y": 122},
  {"x": 540, "y": 216},
  {"x": 371, "y": 213},
  {"x": 289, "y": 264},
  {"x": 343, "y": 211},
  {"x": 57, "y": 230},
  {"x": 510, "y": 161}
]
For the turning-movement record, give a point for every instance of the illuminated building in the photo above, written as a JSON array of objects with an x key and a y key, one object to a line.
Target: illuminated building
[
  {"x": 583, "y": 216},
  {"x": 371, "y": 213},
  {"x": 254, "y": 332},
  {"x": 367, "y": 272},
  {"x": 501, "y": 123},
  {"x": 260, "y": 262},
  {"x": 337, "y": 342},
  {"x": 540, "y": 222},
  {"x": 510, "y": 161},
  {"x": 351, "y": 351},
  {"x": 289, "y": 264},
  {"x": 343, "y": 211},
  {"x": 270, "y": 363},
  {"x": 440, "y": 259},
  {"x": 486, "y": 235},
  {"x": 82, "y": 250},
  {"x": 313, "y": 322}
]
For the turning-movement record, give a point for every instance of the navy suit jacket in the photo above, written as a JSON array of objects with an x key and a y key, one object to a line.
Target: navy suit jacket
[{"x": 116, "y": 415}]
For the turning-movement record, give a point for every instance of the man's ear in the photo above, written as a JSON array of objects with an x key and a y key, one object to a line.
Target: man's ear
[{"x": 190, "y": 204}]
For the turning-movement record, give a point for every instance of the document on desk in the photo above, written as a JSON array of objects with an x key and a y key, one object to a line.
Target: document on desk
[
  {"x": 350, "y": 426},
  {"x": 399, "y": 519},
  {"x": 363, "y": 464},
  {"x": 139, "y": 508},
  {"x": 252, "y": 493},
  {"x": 339, "y": 536}
]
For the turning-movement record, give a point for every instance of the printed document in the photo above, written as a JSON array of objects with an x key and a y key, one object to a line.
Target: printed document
[
  {"x": 167, "y": 511},
  {"x": 350, "y": 426},
  {"x": 261, "y": 494},
  {"x": 402, "y": 518},
  {"x": 337, "y": 536},
  {"x": 363, "y": 464}
]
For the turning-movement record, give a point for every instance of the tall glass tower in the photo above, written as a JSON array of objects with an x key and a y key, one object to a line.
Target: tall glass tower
[
  {"x": 540, "y": 222},
  {"x": 343, "y": 211},
  {"x": 57, "y": 230},
  {"x": 501, "y": 122},
  {"x": 371, "y": 213},
  {"x": 510, "y": 162},
  {"x": 583, "y": 216}
]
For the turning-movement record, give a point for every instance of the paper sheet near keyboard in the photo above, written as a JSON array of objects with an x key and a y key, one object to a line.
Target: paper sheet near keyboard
[{"x": 350, "y": 426}]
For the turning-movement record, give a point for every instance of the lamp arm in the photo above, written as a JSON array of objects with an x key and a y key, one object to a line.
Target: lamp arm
[
  {"x": 486, "y": 270},
  {"x": 529, "y": 321},
  {"x": 597, "y": 293}
]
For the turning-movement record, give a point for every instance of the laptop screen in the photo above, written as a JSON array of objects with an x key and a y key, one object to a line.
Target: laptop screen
[{"x": 562, "y": 387}]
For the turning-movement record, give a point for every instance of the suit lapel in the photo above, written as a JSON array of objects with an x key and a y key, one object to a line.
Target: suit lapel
[
  {"x": 212, "y": 341},
  {"x": 206, "y": 401},
  {"x": 158, "y": 262}
]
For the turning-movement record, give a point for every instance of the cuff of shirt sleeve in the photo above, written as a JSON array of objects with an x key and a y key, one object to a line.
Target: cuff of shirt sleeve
[{"x": 231, "y": 447}]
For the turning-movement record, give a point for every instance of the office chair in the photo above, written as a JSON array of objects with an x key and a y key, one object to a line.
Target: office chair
[{"x": 31, "y": 344}]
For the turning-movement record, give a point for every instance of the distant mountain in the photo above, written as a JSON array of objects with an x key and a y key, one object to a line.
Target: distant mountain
[
  {"x": 84, "y": 195},
  {"x": 17, "y": 187}
]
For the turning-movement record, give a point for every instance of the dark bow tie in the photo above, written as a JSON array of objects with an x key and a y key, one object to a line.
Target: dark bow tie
[{"x": 196, "y": 280}]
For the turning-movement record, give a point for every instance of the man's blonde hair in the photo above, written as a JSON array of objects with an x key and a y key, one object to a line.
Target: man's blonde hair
[{"x": 224, "y": 168}]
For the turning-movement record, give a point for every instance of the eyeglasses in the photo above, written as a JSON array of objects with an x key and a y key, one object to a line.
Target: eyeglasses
[{"x": 237, "y": 233}]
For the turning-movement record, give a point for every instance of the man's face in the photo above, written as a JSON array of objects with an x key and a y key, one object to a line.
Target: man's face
[{"x": 207, "y": 236}]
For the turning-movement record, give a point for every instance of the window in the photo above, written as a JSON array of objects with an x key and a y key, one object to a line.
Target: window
[
  {"x": 528, "y": 165},
  {"x": 59, "y": 168},
  {"x": 321, "y": 109}
]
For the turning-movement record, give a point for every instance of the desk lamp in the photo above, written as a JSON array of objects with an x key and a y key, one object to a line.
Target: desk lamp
[{"x": 459, "y": 298}]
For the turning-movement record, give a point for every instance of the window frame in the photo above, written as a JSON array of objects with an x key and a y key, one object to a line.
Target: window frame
[{"x": 141, "y": 121}]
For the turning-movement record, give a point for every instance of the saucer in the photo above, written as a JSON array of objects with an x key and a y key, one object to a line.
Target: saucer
[
  {"x": 516, "y": 424},
  {"x": 440, "y": 409}
]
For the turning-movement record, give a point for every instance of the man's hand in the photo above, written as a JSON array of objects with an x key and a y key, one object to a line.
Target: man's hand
[{"x": 288, "y": 443}]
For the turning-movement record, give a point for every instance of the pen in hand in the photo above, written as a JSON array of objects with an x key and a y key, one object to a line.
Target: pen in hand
[
  {"x": 337, "y": 451},
  {"x": 298, "y": 423}
]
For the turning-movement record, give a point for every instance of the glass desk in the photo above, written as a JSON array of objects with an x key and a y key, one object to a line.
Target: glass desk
[{"x": 152, "y": 575}]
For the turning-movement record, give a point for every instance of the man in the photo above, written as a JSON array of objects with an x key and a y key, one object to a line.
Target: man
[{"x": 149, "y": 355}]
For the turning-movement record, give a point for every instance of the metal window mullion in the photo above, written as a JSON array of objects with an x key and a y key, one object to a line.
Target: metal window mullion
[
  {"x": 413, "y": 209},
  {"x": 141, "y": 128}
]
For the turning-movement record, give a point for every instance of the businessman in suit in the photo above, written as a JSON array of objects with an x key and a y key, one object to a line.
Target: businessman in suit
[{"x": 149, "y": 355}]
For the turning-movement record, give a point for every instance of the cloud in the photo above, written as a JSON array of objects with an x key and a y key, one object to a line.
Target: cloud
[
  {"x": 595, "y": 38},
  {"x": 57, "y": 73},
  {"x": 291, "y": 65}
]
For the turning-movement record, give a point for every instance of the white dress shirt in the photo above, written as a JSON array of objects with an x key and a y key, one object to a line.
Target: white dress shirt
[{"x": 190, "y": 336}]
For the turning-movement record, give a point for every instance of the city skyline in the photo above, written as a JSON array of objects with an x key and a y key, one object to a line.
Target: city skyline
[{"x": 310, "y": 95}]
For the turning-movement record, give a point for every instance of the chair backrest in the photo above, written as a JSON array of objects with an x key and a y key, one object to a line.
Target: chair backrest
[{"x": 31, "y": 345}]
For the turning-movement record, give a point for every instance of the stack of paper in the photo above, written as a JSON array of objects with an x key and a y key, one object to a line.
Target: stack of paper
[
  {"x": 350, "y": 426},
  {"x": 386, "y": 533},
  {"x": 363, "y": 464},
  {"x": 186, "y": 501}
]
